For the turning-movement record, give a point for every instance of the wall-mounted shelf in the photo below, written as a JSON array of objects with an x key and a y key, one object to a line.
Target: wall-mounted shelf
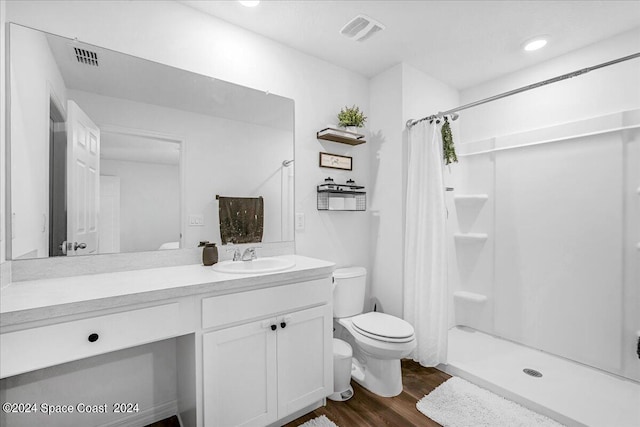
[
  {"x": 471, "y": 198},
  {"x": 341, "y": 197},
  {"x": 471, "y": 237},
  {"x": 341, "y": 136}
]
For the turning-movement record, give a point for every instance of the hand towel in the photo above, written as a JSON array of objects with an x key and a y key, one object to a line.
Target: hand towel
[{"x": 241, "y": 219}]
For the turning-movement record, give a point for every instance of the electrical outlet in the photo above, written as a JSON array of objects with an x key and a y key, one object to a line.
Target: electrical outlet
[
  {"x": 196, "y": 220},
  {"x": 299, "y": 221}
]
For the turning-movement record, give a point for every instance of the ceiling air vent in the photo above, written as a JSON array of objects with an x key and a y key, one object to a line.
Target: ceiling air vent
[
  {"x": 85, "y": 56},
  {"x": 361, "y": 28}
]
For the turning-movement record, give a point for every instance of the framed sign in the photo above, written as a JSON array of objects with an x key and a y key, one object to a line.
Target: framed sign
[{"x": 335, "y": 161}]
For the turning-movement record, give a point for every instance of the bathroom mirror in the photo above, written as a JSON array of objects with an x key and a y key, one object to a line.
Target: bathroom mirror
[{"x": 112, "y": 153}]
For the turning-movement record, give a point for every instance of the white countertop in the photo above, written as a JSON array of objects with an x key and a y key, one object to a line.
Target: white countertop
[{"x": 41, "y": 299}]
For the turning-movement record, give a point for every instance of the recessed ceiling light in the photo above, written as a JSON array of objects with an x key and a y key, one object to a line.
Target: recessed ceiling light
[
  {"x": 535, "y": 44},
  {"x": 249, "y": 3}
]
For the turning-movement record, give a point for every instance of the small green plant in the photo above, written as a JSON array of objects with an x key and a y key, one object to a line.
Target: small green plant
[
  {"x": 351, "y": 116},
  {"x": 448, "y": 150}
]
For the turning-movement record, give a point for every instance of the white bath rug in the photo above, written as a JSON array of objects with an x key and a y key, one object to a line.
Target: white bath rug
[
  {"x": 458, "y": 403},
  {"x": 320, "y": 421}
]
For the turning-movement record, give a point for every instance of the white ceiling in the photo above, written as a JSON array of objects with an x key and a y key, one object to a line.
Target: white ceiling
[
  {"x": 461, "y": 43},
  {"x": 134, "y": 148}
]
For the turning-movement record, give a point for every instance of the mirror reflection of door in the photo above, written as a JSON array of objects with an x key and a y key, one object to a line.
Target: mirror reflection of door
[{"x": 83, "y": 183}]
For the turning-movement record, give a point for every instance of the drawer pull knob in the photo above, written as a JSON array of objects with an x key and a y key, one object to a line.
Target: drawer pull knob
[
  {"x": 273, "y": 327},
  {"x": 93, "y": 337},
  {"x": 283, "y": 325}
]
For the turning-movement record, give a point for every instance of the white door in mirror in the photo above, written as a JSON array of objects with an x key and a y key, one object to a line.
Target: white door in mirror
[{"x": 83, "y": 187}]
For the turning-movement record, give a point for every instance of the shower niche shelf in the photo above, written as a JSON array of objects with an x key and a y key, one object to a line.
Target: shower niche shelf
[
  {"x": 341, "y": 136},
  {"x": 471, "y": 237},
  {"x": 471, "y": 198},
  {"x": 469, "y": 297}
]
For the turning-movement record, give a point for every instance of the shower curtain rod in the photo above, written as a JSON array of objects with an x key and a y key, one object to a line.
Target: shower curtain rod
[{"x": 440, "y": 114}]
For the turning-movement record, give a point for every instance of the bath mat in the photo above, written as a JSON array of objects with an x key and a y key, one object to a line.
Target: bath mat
[
  {"x": 458, "y": 403},
  {"x": 320, "y": 421}
]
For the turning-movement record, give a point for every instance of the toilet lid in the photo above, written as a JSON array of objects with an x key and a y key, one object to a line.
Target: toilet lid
[{"x": 383, "y": 327}]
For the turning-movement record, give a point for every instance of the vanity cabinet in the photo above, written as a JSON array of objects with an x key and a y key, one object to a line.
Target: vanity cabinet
[
  {"x": 251, "y": 350},
  {"x": 240, "y": 375},
  {"x": 258, "y": 373},
  {"x": 64, "y": 342},
  {"x": 262, "y": 371}
]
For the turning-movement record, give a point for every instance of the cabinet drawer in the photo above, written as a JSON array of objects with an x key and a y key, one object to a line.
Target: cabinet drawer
[
  {"x": 36, "y": 348},
  {"x": 242, "y": 306}
]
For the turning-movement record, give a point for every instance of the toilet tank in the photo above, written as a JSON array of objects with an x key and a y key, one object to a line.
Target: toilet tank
[{"x": 348, "y": 291}]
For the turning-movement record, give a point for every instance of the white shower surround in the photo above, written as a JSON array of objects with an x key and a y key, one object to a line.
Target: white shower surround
[{"x": 560, "y": 266}]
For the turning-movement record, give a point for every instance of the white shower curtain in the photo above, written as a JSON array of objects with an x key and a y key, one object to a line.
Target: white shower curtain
[{"x": 425, "y": 262}]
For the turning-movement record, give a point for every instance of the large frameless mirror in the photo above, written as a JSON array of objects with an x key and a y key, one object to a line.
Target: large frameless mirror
[{"x": 112, "y": 153}]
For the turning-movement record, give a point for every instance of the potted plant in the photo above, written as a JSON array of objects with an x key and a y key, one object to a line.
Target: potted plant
[{"x": 351, "y": 118}]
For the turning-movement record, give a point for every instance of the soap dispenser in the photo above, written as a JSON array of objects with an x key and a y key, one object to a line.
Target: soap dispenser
[{"x": 209, "y": 253}]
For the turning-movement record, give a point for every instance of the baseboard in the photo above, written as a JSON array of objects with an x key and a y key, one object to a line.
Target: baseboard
[{"x": 146, "y": 417}]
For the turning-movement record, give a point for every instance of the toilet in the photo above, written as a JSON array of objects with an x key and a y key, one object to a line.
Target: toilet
[{"x": 378, "y": 340}]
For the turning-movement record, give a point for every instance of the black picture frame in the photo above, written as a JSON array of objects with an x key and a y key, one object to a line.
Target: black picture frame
[{"x": 335, "y": 161}]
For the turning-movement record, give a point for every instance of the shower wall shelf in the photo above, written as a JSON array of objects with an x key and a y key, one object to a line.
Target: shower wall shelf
[
  {"x": 469, "y": 297},
  {"x": 341, "y": 136},
  {"x": 471, "y": 198},
  {"x": 471, "y": 237},
  {"x": 341, "y": 197}
]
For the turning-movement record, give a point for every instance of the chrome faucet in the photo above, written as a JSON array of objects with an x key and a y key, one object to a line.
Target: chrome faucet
[
  {"x": 250, "y": 254},
  {"x": 236, "y": 253}
]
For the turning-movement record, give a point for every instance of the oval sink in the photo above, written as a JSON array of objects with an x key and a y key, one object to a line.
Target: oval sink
[{"x": 258, "y": 265}]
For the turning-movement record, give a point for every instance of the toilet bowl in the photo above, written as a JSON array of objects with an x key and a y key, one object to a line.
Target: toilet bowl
[{"x": 378, "y": 340}]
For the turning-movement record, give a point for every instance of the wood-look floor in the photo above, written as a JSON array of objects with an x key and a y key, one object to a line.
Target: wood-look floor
[
  {"x": 368, "y": 409},
  {"x": 167, "y": 422}
]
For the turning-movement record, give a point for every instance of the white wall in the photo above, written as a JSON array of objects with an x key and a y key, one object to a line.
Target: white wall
[
  {"x": 36, "y": 76},
  {"x": 397, "y": 95},
  {"x": 385, "y": 198},
  {"x": 149, "y": 203},
  {"x": 602, "y": 91},
  {"x": 559, "y": 268}
]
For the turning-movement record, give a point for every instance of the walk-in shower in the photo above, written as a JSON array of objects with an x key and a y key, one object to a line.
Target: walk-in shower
[{"x": 543, "y": 237}]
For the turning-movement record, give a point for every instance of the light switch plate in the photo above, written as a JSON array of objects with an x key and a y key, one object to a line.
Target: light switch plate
[
  {"x": 196, "y": 220},
  {"x": 299, "y": 221}
]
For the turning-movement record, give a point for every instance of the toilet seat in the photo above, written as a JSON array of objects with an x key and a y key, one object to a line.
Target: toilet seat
[{"x": 383, "y": 327}]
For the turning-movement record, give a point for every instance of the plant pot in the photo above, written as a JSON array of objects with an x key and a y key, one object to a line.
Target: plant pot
[{"x": 353, "y": 129}]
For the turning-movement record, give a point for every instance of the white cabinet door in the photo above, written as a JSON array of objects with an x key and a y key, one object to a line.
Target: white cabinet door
[
  {"x": 240, "y": 377},
  {"x": 305, "y": 359}
]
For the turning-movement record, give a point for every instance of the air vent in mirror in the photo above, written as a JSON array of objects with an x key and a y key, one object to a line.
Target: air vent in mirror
[{"x": 86, "y": 57}]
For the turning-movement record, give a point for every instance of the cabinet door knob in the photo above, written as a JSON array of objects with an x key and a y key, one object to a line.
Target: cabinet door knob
[
  {"x": 283, "y": 325},
  {"x": 274, "y": 327},
  {"x": 93, "y": 337}
]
